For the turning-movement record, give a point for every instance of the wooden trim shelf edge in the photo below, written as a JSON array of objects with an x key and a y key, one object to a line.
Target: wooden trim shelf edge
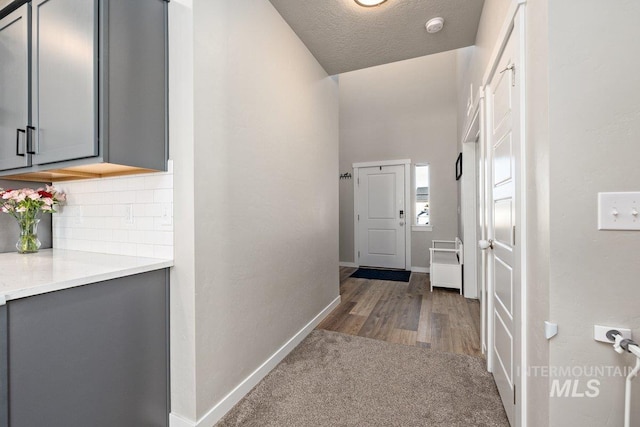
[{"x": 99, "y": 170}]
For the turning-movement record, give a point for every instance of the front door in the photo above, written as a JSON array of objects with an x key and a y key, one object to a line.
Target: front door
[
  {"x": 381, "y": 216},
  {"x": 504, "y": 139}
]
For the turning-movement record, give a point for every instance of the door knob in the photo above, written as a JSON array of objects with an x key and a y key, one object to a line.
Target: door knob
[
  {"x": 401, "y": 223},
  {"x": 485, "y": 244}
]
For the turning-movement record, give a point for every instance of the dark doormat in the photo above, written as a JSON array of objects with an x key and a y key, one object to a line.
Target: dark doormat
[{"x": 373, "y": 274}]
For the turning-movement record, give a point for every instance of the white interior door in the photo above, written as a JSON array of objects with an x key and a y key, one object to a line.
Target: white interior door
[
  {"x": 503, "y": 155},
  {"x": 382, "y": 216}
]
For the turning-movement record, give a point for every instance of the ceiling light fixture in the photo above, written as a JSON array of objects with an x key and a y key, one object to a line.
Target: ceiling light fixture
[
  {"x": 434, "y": 25},
  {"x": 370, "y": 3}
]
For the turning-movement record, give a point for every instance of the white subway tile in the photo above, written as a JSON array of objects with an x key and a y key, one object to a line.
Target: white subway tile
[
  {"x": 144, "y": 223},
  {"x": 160, "y": 181},
  {"x": 144, "y": 196},
  {"x": 93, "y": 218},
  {"x": 159, "y": 225},
  {"x": 105, "y": 235},
  {"x": 165, "y": 252},
  {"x": 163, "y": 196},
  {"x": 121, "y": 236},
  {"x": 127, "y": 197},
  {"x": 144, "y": 250},
  {"x": 138, "y": 210},
  {"x": 136, "y": 236},
  {"x": 153, "y": 209}
]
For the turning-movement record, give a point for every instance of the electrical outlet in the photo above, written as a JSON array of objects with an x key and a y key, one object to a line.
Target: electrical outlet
[
  {"x": 78, "y": 216},
  {"x": 128, "y": 214},
  {"x": 166, "y": 215},
  {"x": 600, "y": 333}
]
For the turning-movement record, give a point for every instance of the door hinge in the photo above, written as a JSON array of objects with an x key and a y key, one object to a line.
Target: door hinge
[
  {"x": 514, "y": 235},
  {"x": 358, "y": 254},
  {"x": 358, "y": 217},
  {"x": 358, "y": 181},
  {"x": 514, "y": 394}
]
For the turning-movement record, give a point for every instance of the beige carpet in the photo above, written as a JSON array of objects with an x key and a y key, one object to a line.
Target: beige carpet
[{"x": 332, "y": 379}]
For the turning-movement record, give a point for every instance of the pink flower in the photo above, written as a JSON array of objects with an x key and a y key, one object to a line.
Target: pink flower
[{"x": 28, "y": 201}]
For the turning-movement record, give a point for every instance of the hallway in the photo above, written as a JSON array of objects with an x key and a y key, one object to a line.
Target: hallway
[{"x": 406, "y": 313}]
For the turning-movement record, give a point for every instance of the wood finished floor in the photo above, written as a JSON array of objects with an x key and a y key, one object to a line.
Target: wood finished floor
[{"x": 406, "y": 313}]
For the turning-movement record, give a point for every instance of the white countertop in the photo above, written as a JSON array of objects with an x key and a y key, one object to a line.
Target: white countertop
[{"x": 24, "y": 275}]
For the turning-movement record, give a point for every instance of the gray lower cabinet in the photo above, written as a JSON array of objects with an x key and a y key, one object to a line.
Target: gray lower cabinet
[
  {"x": 84, "y": 82},
  {"x": 95, "y": 355}
]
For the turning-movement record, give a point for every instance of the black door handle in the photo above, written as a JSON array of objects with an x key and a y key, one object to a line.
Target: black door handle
[
  {"x": 30, "y": 140},
  {"x": 18, "y": 132}
]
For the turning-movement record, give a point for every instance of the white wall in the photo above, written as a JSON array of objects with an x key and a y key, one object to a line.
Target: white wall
[
  {"x": 594, "y": 128},
  {"x": 183, "y": 284},
  {"x": 537, "y": 200},
  {"x": 266, "y": 188},
  {"x": 397, "y": 111}
]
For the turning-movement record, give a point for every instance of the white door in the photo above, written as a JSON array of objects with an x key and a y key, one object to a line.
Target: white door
[
  {"x": 503, "y": 155},
  {"x": 382, "y": 215}
]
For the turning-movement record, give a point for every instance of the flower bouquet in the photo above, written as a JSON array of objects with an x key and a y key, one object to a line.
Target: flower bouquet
[{"x": 26, "y": 206}]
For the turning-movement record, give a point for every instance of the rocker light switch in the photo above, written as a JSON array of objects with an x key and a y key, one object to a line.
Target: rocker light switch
[{"x": 619, "y": 211}]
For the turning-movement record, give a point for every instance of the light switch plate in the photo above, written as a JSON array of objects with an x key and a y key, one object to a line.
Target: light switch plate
[{"x": 619, "y": 211}]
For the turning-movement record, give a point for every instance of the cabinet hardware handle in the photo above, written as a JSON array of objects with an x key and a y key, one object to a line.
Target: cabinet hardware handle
[
  {"x": 30, "y": 149},
  {"x": 18, "y": 132}
]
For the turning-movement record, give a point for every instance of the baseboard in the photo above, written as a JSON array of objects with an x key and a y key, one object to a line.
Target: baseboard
[
  {"x": 221, "y": 408},
  {"x": 177, "y": 421},
  {"x": 348, "y": 264},
  {"x": 420, "y": 269}
]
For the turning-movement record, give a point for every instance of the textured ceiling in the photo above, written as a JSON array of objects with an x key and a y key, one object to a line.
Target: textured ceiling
[{"x": 345, "y": 37}]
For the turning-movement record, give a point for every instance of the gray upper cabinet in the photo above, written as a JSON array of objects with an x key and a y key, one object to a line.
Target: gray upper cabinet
[
  {"x": 84, "y": 84},
  {"x": 64, "y": 77},
  {"x": 14, "y": 89}
]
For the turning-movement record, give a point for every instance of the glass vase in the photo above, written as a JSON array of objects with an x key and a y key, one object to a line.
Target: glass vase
[{"x": 28, "y": 242}]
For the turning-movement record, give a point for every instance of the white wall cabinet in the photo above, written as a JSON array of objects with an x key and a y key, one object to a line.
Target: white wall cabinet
[{"x": 83, "y": 82}]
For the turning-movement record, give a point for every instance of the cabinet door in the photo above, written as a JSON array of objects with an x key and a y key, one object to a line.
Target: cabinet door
[
  {"x": 91, "y": 356},
  {"x": 64, "y": 58},
  {"x": 14, "y": 88}
]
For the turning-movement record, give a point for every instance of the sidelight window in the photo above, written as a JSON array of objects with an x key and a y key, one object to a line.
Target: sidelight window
[{"x": 421, "y": 195}]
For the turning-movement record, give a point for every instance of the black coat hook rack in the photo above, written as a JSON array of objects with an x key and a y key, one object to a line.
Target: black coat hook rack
[{"x": 346, "y": 175}]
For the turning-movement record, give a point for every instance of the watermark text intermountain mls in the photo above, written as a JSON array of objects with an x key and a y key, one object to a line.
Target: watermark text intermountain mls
[{"x": 576, "y": 381}]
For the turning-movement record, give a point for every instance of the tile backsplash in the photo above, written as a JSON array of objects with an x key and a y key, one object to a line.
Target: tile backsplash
[{"x": 127, "y": 215}]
